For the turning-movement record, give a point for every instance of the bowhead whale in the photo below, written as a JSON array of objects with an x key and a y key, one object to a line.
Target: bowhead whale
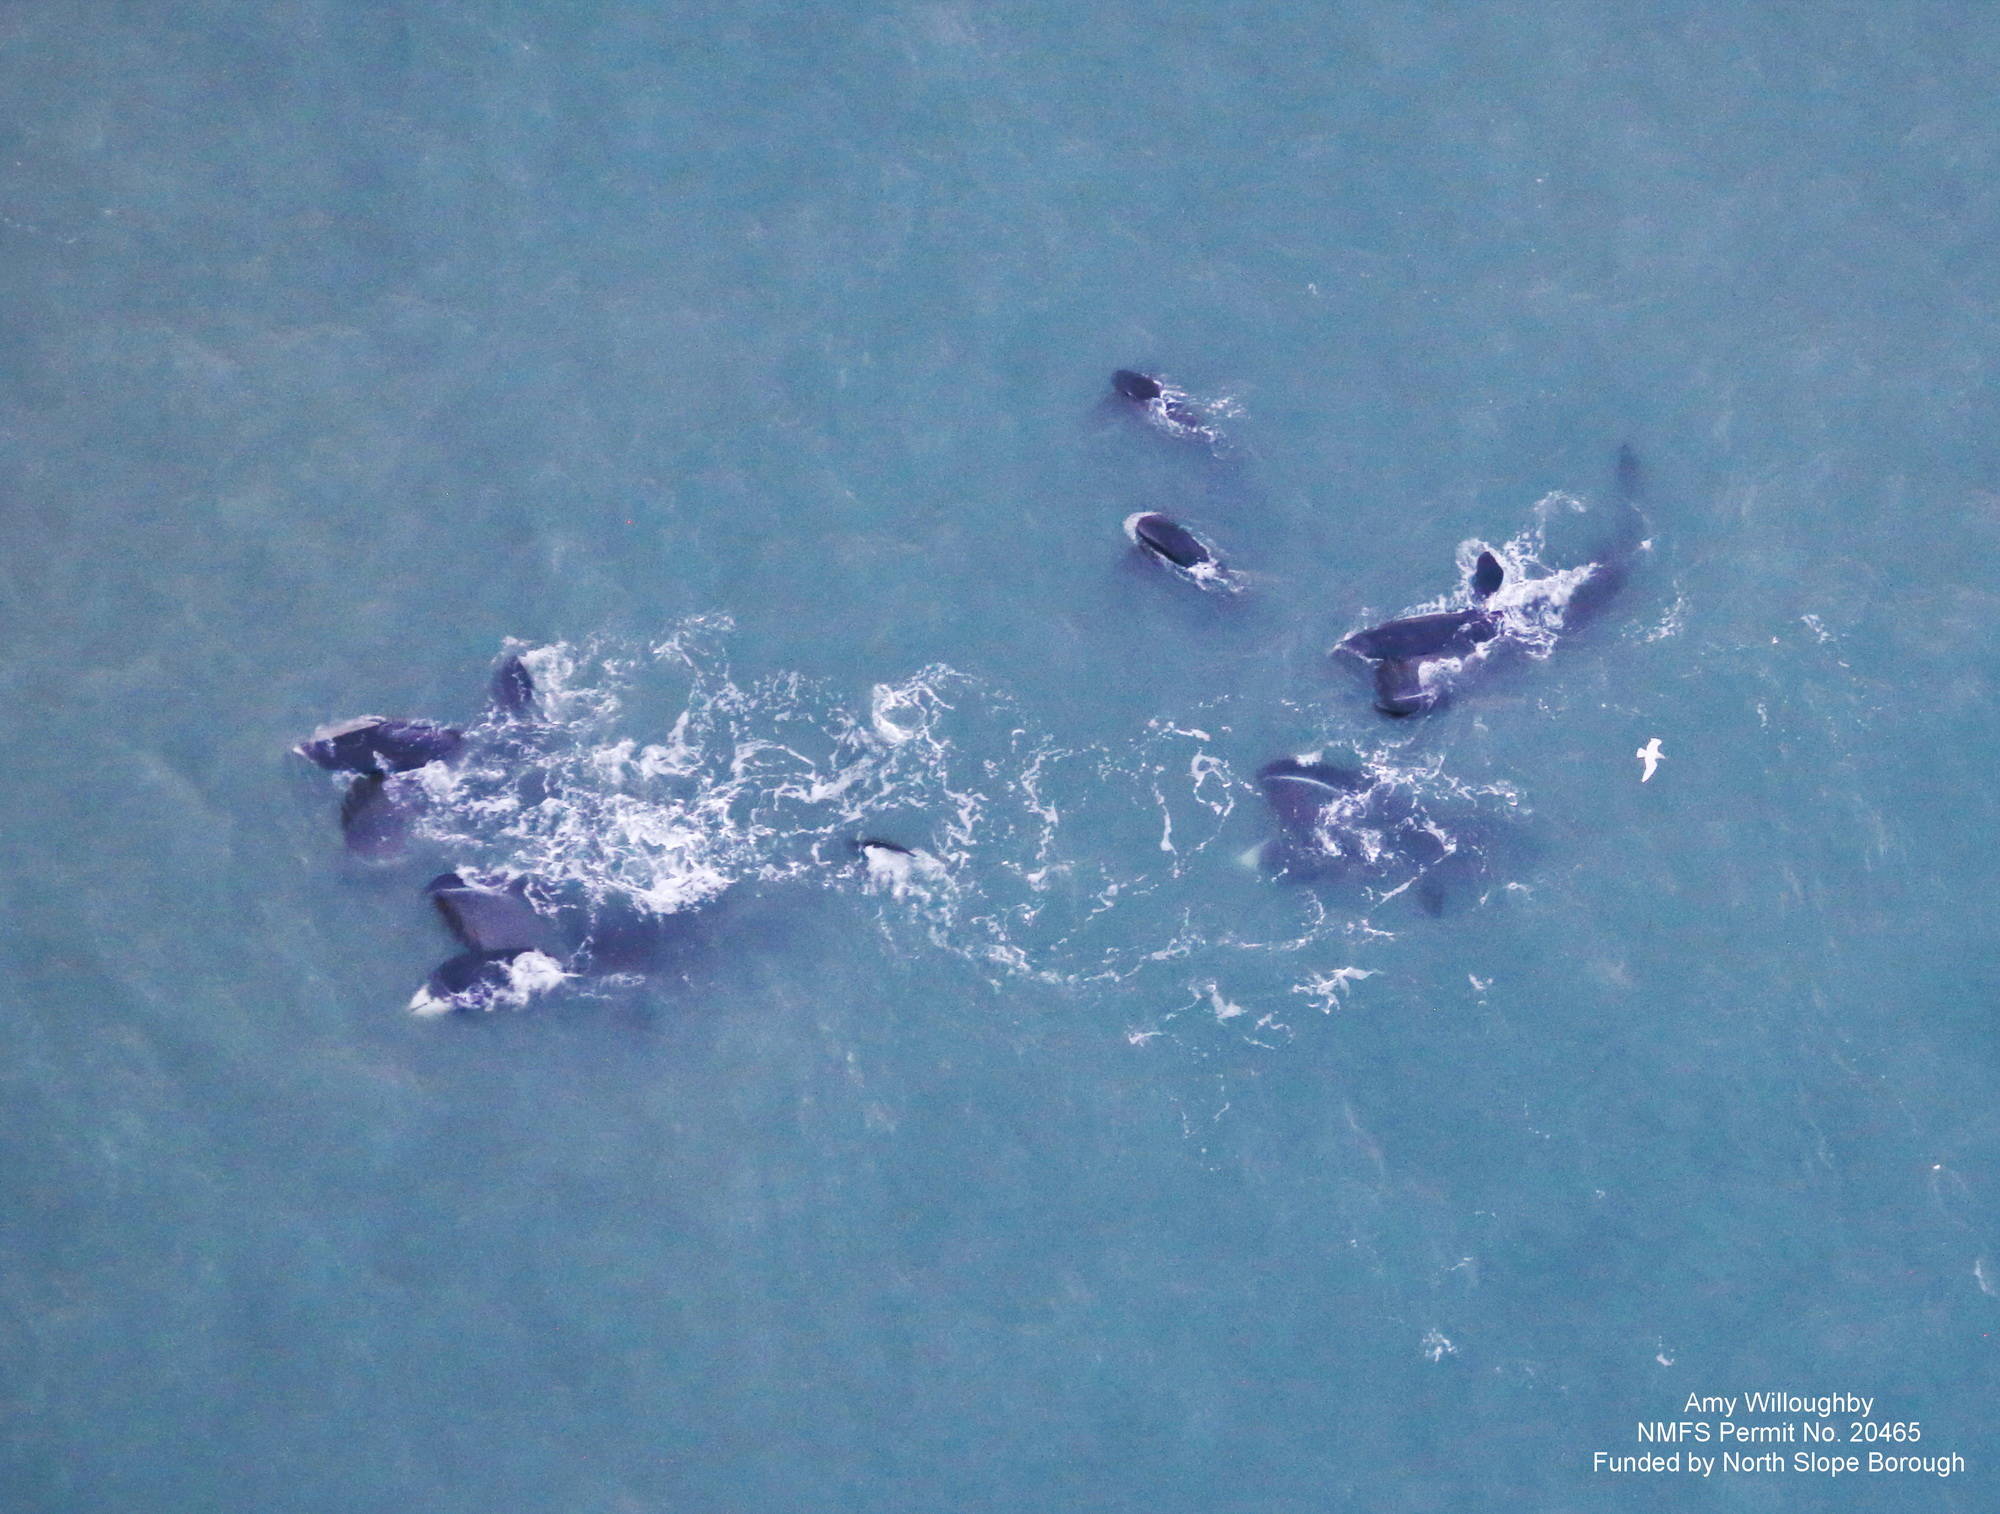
[
  {"x": 1339, "y": 823},
  {"x": 380, "y": 755},
  {"x": 376, "y": 746},
  {"x": 1172, "y": 410},
  {"x": 1169, "y": 542},
  {"x": 507, "y": 941},
  {"x": 1414, "y": 655}
]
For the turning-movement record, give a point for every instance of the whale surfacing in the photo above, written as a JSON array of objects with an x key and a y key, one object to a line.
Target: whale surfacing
[
  {"x": 1299, "y": 791},
  {"x": 375, "y": 746},
  {"x": 1448, "y": 633},
  {"x": 512, "y": 688},
  {"x": 1165, "y": 406},
  {"x": 1169, "y": 542},
  {"x": 509, "y": 946}
]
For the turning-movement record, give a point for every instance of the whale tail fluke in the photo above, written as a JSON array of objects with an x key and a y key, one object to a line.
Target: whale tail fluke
[{"x": 512, "y": 688}]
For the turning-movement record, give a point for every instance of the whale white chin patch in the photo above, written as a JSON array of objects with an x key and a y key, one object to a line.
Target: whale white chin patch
[
  {"x": 425, "y": 1003},
  {"x": 898, "y": 872},
  {"x": 529, "y": 974}
]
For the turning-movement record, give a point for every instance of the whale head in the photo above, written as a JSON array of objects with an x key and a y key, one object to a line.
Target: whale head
[{"x": 1136, "y": 386}]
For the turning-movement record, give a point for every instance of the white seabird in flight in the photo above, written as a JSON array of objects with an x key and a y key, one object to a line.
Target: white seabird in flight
[{"x": 1651, "y": 755}]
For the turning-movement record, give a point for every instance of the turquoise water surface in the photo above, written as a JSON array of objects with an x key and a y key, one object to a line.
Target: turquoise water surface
[{"x": 746, "y": 369}]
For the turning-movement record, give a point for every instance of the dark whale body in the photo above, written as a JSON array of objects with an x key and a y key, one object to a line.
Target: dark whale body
[
  {"x": 375, "y": 746},
  {"x": 1300, "y": 792},
  {"x": 470, "y": 979},
  {"x": 380, "y": 806},
  {"x": 1631, "y": 477},
  {"x": 1401, "y": 649},
  {"x": 1487, "y": 577},
  {"x": 1400, "y": 689},
  {"x": 1448, "y": 633},
  {"x": 1169, "y": 407},
  {"x": 490, "y": 918},
  {"x": 1136, "y": 386},
  {"x": 377, "y": 814},
  {"x": 1337, "y": 824},
  {"x": 863, "y": 845},
  {"x": 1168, "y": 541},
  {"x": 1619, "y": 553},
  {"x": 496, "y": 923}
]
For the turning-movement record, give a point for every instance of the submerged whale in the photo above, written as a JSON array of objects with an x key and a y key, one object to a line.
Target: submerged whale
[
  {"x": 1169, "y": 542},
  {"x": 1171, "y": 409},
  {"x": 1342, "y": 824},
  {"x": 377, "y": 813}
]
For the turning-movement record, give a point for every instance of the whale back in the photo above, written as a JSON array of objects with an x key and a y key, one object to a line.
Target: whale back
[
  {"x": 1448, "y": 633},
  {"x": 1136, "y": 386},
  {"x": 1170, "y": 540},
  {"x": 374, "y": 745}
]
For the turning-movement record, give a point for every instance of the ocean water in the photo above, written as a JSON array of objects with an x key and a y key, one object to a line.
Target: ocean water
[{"x": 746, "y": 369}]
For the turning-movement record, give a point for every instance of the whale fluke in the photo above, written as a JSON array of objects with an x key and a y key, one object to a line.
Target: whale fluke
[{"x": 513, "y": 688}]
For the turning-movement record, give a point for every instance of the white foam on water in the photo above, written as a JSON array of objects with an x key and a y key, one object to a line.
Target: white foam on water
[
  {"x": 1327, "y": 991},
  {"x": 662, "y": 777}
]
